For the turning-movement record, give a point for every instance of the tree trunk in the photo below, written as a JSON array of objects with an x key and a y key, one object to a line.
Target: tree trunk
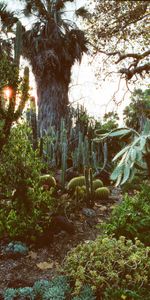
[{"x": 52, "y": 102}]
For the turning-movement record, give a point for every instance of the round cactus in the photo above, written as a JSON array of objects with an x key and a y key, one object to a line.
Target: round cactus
[
  {"x": 47, "y": 180},
  {"x": 102, "y": 193},
  {"x": 97, "y": 183},
  {"x": 74, "y": 182}
]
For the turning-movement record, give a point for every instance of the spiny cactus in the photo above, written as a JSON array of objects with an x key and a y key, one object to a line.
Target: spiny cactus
[
  {"x": 34, "y": 122},
  {"x": 102, "y": 193},
  {"x": 97, "y": 183},
  {"x": 76, "y": 181},
  {"x": 89, "y": 187},
  {"x": 63, "y": 163},
  {"x": 47, "y": 180},
  {"x": 80, "y": 194},
  {"x": 18, "y": 43},
  {"x": 10, "y": 80}
]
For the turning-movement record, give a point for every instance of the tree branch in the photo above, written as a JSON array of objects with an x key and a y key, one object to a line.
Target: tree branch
[{"x": 136, "y": 70}]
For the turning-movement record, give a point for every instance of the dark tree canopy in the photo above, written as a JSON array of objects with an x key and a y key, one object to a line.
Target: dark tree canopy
[
  {"x": 136, "y": 113},
  {"x": 121, "y": 30}
]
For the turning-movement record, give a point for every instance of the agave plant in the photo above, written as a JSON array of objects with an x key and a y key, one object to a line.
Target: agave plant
[{"x": 135, "y": 156}]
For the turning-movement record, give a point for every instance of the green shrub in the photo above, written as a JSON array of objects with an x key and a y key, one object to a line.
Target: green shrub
[
  {"x": 74, "y": 182},
  {"x": 18, "y": 224},
  {"x": 102, "y": 193},
  {"x": 131, "y": 217},
  {"x": 132, "y": 185},
  {"x": 18, "y": 161},
  {"x": 110, "y": 263},
  {"x": 97, "y": 183},
  {"x": 26, "y": 212}
]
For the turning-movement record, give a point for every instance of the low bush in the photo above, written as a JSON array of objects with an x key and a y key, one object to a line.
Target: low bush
[
  {"x": 111, "y": 266},
  {"x": 131, "y": 217}
]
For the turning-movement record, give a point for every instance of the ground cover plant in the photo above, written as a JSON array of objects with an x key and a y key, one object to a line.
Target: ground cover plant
[{"x": 115, "y": 269}]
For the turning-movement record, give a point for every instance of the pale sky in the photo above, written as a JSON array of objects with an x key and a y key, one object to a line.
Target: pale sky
[{"x": 84, "y": 86}]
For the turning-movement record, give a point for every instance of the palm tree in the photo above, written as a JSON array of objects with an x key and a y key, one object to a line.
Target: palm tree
[{"x": 51, "y": 46}]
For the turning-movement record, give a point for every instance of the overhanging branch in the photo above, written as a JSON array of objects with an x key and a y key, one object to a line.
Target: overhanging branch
[{"x": 129, "y": 73}]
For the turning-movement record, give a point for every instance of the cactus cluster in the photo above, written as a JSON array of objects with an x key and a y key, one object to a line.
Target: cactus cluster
[
  {"x": 88, "y": 189},
  {"x": 71, "y": 145}
]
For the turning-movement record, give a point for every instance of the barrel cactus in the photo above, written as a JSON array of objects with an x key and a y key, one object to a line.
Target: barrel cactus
[
  {"x": 47, "y": 180},
  {"x": 97, "y": 183},
  {"x": 102, "y": 193},
  {"x": 74, "y": 182}
]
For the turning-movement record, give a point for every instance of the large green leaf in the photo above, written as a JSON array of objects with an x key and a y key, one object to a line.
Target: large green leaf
[
  {"x": 133, "y": 154},
  {"x": 146, "y": 130},
  {"x": 117, "y": 172},
  {"x": 120, "y": 132},
  {"x": 120, "y": 153},
  {"x": 126, "y": 174},
  {"x": 142, "y": 143}
]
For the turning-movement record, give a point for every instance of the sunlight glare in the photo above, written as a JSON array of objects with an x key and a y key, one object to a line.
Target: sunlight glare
[{"x": 7, "y": 92}]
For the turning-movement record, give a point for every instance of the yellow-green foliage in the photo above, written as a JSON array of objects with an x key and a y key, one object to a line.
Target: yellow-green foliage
[
  {"x": 102, "y": 193},
  {"x": 74, "y": 182},
  {"x": 48, "y": 180},
  {"x": 110, "y": 263},
  {"x": 97, "y": 183}
]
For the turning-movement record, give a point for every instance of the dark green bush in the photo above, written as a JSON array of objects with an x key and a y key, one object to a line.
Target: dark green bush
[
  {"x": 131, "y": 217},
  {"x": 108, "y": 263}
]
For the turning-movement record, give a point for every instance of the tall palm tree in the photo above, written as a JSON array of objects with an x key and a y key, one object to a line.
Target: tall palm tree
[{"x": 51, "y": 45}]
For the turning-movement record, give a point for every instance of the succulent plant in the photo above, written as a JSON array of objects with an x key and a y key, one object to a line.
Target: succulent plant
[
  {"x": 16, "y": 248},
  {"x": 76, "y": 181},
  {"x": 48, "y": 180},
  {"x": 97, "y": 183},
  {"x": 102, "y": 193},
  {"x": 85, "y": 294}
]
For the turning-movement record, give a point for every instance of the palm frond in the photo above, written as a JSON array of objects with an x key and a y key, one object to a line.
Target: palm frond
[
  {"x": 7, "y": 18},
  {"x": 82, "y": 12}
]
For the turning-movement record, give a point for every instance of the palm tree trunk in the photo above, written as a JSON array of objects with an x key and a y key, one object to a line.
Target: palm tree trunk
[{"x": 52, "y": 102}]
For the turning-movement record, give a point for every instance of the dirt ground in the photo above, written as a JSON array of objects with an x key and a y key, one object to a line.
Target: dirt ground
[{"x": 45, "y": 262}]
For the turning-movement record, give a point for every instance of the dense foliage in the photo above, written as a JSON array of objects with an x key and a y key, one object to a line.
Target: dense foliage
[
  {"x": 138, "y": 110},
  {"x": 111, "y": 266},
  {"x": 131, "y": 217},
  {"x": 24, "y": 203}
]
